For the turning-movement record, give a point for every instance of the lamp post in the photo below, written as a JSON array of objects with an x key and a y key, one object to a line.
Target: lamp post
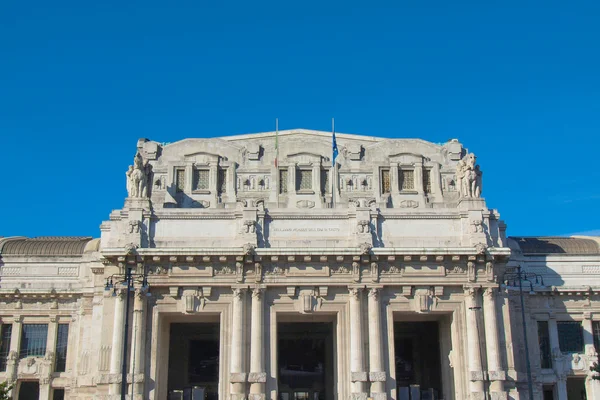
[
  {"x": 126, "y": 281},
  {"x": 517, "y": 278}
]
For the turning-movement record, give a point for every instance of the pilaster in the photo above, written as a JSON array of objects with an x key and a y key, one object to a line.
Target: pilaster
[
  {"x": 257, "y": 376},
  {"x": 357, "y": 365},
  {"x": 496, "y": 374},
  {"x": 475, "y": 370},
  {"x": 237, "y": 376}
]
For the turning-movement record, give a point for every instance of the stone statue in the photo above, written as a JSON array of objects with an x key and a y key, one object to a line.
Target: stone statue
[
  {"x": 468, "y": 177},
  {"x": 137, "y": 177}
]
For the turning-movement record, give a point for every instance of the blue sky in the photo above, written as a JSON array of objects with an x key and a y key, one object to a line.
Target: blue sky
[{"x": 81, "y": 81}]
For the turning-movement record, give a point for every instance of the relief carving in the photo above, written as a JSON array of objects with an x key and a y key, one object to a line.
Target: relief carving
[{"x": 363, "y": 226}]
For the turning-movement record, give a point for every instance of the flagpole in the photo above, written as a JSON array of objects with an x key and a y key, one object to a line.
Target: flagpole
[{"x": 277, "y": 188}]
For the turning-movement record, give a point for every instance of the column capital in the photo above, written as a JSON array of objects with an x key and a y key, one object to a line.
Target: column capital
[
  {"x": 238, "y": 292},
  {"x": 374, "y": 292},
  {"x": 355, "y": 291},
  {"x": 258, "y": 293},
  {"x": 490, "y": 293},
  {"x": 470, "y": 291}
]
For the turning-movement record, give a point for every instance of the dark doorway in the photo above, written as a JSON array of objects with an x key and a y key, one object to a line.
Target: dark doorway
[
  {"x": 29, "y": 390},
  {"x": 194, "y": 361},
  {"x": 418, "y": 359},
  {"x": 576, "y": 389},
  {"x": 305, "y": 360}
]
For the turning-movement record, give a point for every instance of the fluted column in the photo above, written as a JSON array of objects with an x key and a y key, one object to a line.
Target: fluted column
[
  {"x": 116, "y": 355},
  {"x": 357, "y": 364},
  {"x": 136, "y": 365},
  {"x": 376, "y": 370},
  {"x": 238, "y": 376},
  {"x": 257, "y": 376},
  {"x": 476, "y": 386},
  {"x": 495, "y": 371}
]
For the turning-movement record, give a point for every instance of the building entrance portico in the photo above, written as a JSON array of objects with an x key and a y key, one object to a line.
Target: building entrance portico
[{"x": 305, "y": 360}]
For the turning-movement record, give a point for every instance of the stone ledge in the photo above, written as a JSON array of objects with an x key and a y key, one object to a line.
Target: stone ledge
[
  {"x": 497, "y": 375},
  {"x": 358, "y": 396},
  {"x": 237, "y": 396},
  {"x": 377, "y": 376},
  {"x": 237, "y": 377},
  {"x": 257, "y": 377},
  {"x": 359, "y": 377},
  {"x": 499, "y": 396}
]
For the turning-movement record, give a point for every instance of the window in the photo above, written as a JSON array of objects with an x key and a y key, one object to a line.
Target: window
[
  {"x": 179, "y": 180},
  {"x": 62, "y": 338},
  {"x": 33, "y": 340},
  {"x": 58, "y": 394},
  {"x": 544, "y": 342},
  {"x": 201, "y": 178},
  {"x": 5, "y": 336},
  {"x": 283, "y": 181},
  {"x": 385, "y": 181},
  {"x": 407, "y": 179},
  {"x": 222, "y": 180},
  {"x": 304, "y": 178},
  {"x": 570, "y": 336},
  {"x": 325, "y": 185},
  {"x": 596, "y": 332},
  {"x": 427, "y": 180}
]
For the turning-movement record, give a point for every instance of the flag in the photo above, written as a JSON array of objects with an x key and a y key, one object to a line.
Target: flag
[{"x": 335, "y": 149}]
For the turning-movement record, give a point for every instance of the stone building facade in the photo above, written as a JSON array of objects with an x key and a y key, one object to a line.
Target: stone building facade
[{"x": 274, "y": 272}]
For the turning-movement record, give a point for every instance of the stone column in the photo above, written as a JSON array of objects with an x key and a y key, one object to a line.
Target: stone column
[
  {"x": 592, "y": 385},
  {"x": 476, "y": 386},
  {"x": 237, "y": 376},
  {"x": 48, "y": 364},
  {"x": 376, "y": 370},
  {"x": 12, "y": 363},
  {"x": 561, "y": 384},
  {"x": 138, "y": 344},
  {"x": 496, "y": 374},
  {"x": 116, "y": 355},
  {"x": 257, "y": 376},
  {"x": 357, "y": 364}
]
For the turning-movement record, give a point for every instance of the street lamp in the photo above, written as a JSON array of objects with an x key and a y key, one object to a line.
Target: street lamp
[
  {"x": 126, "y": 281},
  {"x": 512, "y": 279}
]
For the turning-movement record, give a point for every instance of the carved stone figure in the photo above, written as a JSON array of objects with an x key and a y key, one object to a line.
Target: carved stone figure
[
  {"x": 468, "y": 177},
  {"x": 137, "y": 177},
  {"x": 248, "y": 249},
  {"x": 365, "y": 248}
]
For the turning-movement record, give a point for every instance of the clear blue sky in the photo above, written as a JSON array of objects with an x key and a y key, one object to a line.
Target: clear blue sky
[{"x": 518, "y": 82}]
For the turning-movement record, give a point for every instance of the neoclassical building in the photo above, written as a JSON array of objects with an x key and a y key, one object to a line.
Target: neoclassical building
[{"x": 263, "y": 269}]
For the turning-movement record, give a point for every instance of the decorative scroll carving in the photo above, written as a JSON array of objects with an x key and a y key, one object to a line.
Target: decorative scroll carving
[
  {"x": 468, "y": 177},
  {"x": 363, "y": 226},
  {"x": 340, "y": 270},
  {"x": 134, "y": 226},
  {"x": 354, "y": 292},
  {"x": 248, "y": 226},
  {"x": 137, "y": 177}
]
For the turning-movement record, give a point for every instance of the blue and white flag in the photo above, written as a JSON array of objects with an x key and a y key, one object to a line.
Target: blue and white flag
[{"x": 335, "y": 150}]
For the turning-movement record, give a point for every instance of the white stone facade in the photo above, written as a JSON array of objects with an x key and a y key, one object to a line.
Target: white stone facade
[{"x": 242, "y": 233}]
